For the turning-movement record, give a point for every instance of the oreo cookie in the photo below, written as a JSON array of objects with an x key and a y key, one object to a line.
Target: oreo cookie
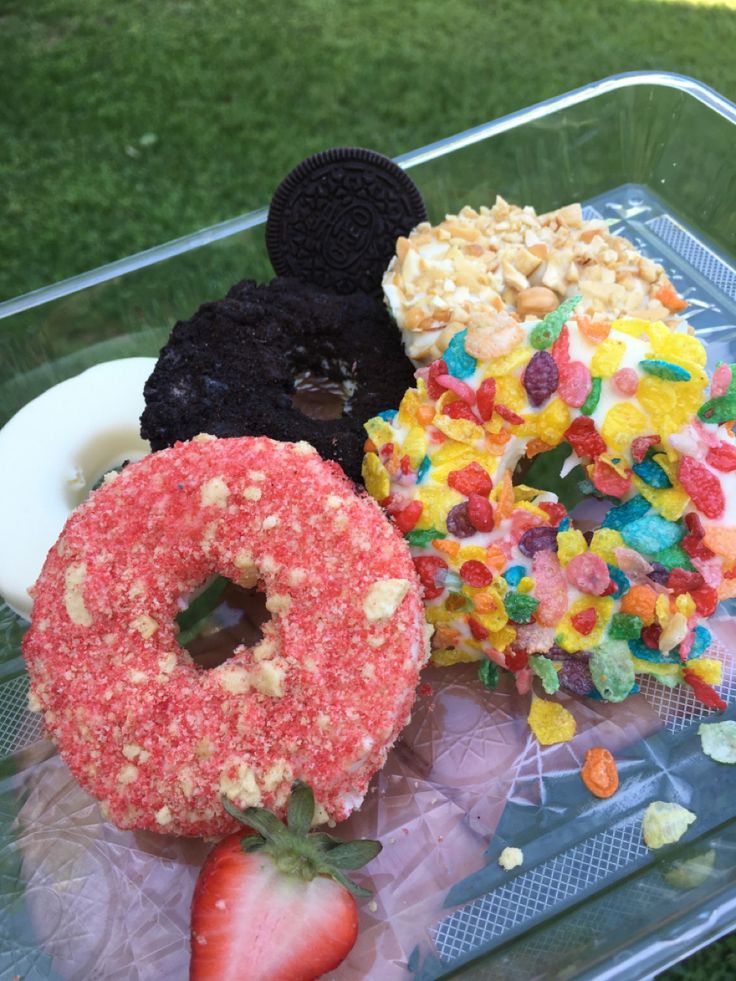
[{"x": 334, "y": 220}]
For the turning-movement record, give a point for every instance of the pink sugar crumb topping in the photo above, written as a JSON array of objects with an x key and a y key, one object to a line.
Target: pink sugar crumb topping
[{"x": 323, "y": 696}]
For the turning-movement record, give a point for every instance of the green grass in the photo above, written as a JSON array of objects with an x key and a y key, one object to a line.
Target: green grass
[{"x": 127, "y": 122}]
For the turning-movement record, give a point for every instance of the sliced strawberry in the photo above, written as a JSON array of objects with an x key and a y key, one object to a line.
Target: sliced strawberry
[{"x": 276, "y": 906}]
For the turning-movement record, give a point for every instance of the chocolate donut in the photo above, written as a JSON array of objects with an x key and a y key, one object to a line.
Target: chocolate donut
[{"x": 234, "y": 369}]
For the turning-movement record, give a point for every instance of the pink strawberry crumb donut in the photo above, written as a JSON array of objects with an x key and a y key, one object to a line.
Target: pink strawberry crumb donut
[{"x": 159, "y": 740}]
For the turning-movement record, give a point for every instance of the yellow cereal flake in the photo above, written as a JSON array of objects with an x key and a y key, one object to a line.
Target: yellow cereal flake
[
  {"x": 438, "y": 614},
  {"x": 379, "y": 431},
  {"x": 683, "y": 349},
  {"x": 510, "y": 392},
  {"x": 375, "y": 477},
  {"x": 462, "y": 430},
  {"x": 522, "y": 492},
  {"x": 670, "y": 502},
  {"x": 666, "y": 674},
  {"x": 685, "y": 604},
  {"x": 607, "y": 357},
  {"x": 415, "y": 446},
  {"x": 669, "y": 405},
  {"x": 662, "y": 609},
  {"x": 437, "y": 501},
  {"x": 631, "y": 326},
  {"x": 504, "y": 366},
  {"x": 568, "y": 637},
  {"x": 525, "y": 584},
  {"x": 623, "y": 422},
  {"x": 569, "y": 544},
  {"x": 454, "y": 655},
  {"x": 603, "y": 543},
  {"x": 551, "y": 722},
  {"x": 552, "y": 422},
  {"x": 469, "y": 552},
  {"x": 407, "y": 415},
  {"x": 503, "y": 638},
  {"x": 708, "y": 669},
  {"x": 532, "y": 509}
]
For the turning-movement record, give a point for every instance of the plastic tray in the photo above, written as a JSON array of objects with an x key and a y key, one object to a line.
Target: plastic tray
[{"x": 650, "y": 152}]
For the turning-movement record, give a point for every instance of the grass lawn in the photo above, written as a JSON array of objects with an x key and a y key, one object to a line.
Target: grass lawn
[{"x": 124, "y": 123}]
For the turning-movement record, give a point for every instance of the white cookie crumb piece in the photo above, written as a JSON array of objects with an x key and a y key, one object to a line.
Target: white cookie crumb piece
[
  {"x": 132, "y": 751},
  {"x": 128, "y": 774},
  {"x": 340, "y": 522},
  {"x": 511, "y": 858},
  {"x": 309, "y": 664},
  {"x": 137, "y": 676},
  {"x": 204, "y": 438},
  {"x": 270, "y": 522},
  {"x": 269, "y": 564},
  {"x": 204, "y": 749},
  {"x": 145, "y": 625},
  {"x": 278, "y": 602},
  {"x": 234, "y": 679},
  {"x": 137, "y": 589},
  {"x": 368, "y": 671},
  {"x": 323, "y": 721},
  {"x": 241, "y": 789},
  {"x": 333, "y": 501},
  {"x": 268, "y": 679},
  {"x": 163, "y": 816},
  {"x": 73, "y": 596},
  {"x": 249, "y": 574},
  {"x": 167, "y": 664},
  {"x": 278, "y": 777},
  {"x": 34, "y": 703},
  {"x": 110, "y": 477},
  {"x": 252, "y": 493},
  {"x": 257, "y": 476},
  {"x": 378, "y": 641},
  {"x": 214, "y": 493},
  {"x": 186, "y": 783},
  {"x": 320, "y": 815},
  {"x": 296, "y": 576},
  {"x": 303, "y": 448},
  {"x": 383, "y": 598}
]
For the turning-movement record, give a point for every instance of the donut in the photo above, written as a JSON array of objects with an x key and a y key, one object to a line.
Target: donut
[
  {"x": 233, "y": 369},
  {"x": 56, "y": 448},
  {"x": 507, "y": 574},
  {"x": 474, "y": 265},
  {"x": 157, "y": 739}
]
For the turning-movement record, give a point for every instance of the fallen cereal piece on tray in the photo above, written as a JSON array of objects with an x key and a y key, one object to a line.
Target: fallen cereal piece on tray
[
  {"x": 718, "y": 740},
  {"x": 665, "y": 823},
  {"x": 511, "y": 858},
  {"x": 599, "y": 772},
  {"x": 159, "y": 740}
]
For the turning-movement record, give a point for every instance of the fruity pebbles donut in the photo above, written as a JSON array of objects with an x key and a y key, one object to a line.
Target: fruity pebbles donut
[
  {"x": 321, "y": 698},
  {"x": 506, "y": 574}
]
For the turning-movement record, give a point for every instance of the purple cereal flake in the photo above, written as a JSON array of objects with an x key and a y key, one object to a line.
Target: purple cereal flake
[
  {"x": 659, "y": 574},
  {"x": 539, "y": 539},
  {"x": 575, "y": 676},
  {"x": 541, "y": 377},
  {"x": 458, "y": 521}
]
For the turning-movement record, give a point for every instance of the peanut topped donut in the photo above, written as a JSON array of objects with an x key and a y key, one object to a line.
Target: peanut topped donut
[
  {"x": 476, "y": 264},
  {"x": 157, "y": 739},
  {"x": 507, "y": 575}
]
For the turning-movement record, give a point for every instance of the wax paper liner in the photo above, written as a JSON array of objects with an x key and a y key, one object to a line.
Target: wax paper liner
[{"x": 84, "y": 900}]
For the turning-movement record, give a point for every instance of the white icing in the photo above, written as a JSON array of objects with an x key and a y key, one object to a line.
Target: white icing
[{"x": 53, "y": 451}]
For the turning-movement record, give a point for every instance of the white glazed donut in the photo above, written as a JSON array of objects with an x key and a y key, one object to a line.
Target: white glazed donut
[{"x": 53, "y": 451}]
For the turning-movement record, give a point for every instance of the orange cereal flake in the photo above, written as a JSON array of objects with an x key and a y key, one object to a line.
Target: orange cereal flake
[
  {"x": 599, "y": 772},
  {"x": 669, "y": 297},
  {"x": 640, "y": 602}
]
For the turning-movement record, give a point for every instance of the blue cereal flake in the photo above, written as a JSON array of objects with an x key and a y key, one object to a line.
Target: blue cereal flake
[
  {"x": 620, "y": 581},
  {"x": 651, "y": 534},
  {"x": 653, "y": 654},
  {"x": 665, "y": 369},
  {"x": 564, "y": 524},
  {"x": 514, "y": 574},
  {"x": 623, "y": 515},
  {"x": 701, "y": 643},
  {"x": 651, "y": 473},
  {"x": 423, "y": 468},
  {"x": 459, "y": 362},
  {"x": 388, "y": 415}
]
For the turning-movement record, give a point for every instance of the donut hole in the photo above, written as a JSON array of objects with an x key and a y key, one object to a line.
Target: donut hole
[
  {"x": 321, "y": 398},
  {"x": 219, "y": 617},
  {"x": 109, "y": 449}
]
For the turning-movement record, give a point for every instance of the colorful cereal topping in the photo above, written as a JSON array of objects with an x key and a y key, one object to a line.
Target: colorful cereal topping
[
  {"x": 599, "y": 772},
  {"x": 719, "y": 741},
  {"x": 665, "y": 823}
]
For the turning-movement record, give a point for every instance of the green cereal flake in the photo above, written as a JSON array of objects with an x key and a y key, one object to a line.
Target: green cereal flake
[
  {"x": 544, "y": 668},
  {"x": 590, "y": 404},
  {"x": 665, "y": 823},
  {"x": 421, "y": 539},
  {"x": 488, "y": 674},
  {"x": 625, "y": 626},
  {"x": 721, "y": 409},
  {"x": 612, "y": 670},
  {"x": 674, "y": 557},
  {"x": 549, "y": 329},
  {"x": 719, "y": 741},
  {"x": 520, "y": 606}
]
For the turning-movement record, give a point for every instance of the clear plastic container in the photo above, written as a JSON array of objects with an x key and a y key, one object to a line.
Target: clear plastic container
[{"x": 651, "y": 152}]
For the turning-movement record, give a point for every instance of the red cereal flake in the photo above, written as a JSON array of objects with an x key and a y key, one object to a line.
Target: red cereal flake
[
  {"x": 472, "y": 479},
  {"x": 427, "y": 567},
  {"x": 584, "y": 438},
  {"x": 437, "y": 368},
  {"x": 560, "y": 350},
  {"x": 608, "y": 481},
  {"x": 584, "y": 621},
  {"x": 486, "y": 398},
  {"x": 696, "y": 547},
  {"x": 703, "y": 487},
  {"x": 694, "y": 524},
  {"x": 722, "y": 457},
  {"x": 407, "y": 518},
  {"x": 516, "y": 660},
  {"x": 555, "y": 511},
  {"x": 476, "y": 574},
  {"x": 703, "y": 691},
  {"x": 477, "y": 629},
  {"x": 706, "y": 600},
  {"x": 460, "y": 410},
  {"x": 682, "y": 581},
  {"x": 640, "y": 446},
  {"x": 626, "y": 382},
  {"x": 509, "y": 415},
  {"x": 480, "y": 512},
  {"x": 650, "y": 635}
]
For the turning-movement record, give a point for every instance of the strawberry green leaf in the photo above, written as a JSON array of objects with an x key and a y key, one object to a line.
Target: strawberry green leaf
[
  {"x": 301, "y": 808},
  {"x": 252, "y": 843},
  {"x": 353, "y": 854},
  {"x": 356, "y": 890},
  {"x": 324, "y": 842},
  {"x": 258, "y": 818}
]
